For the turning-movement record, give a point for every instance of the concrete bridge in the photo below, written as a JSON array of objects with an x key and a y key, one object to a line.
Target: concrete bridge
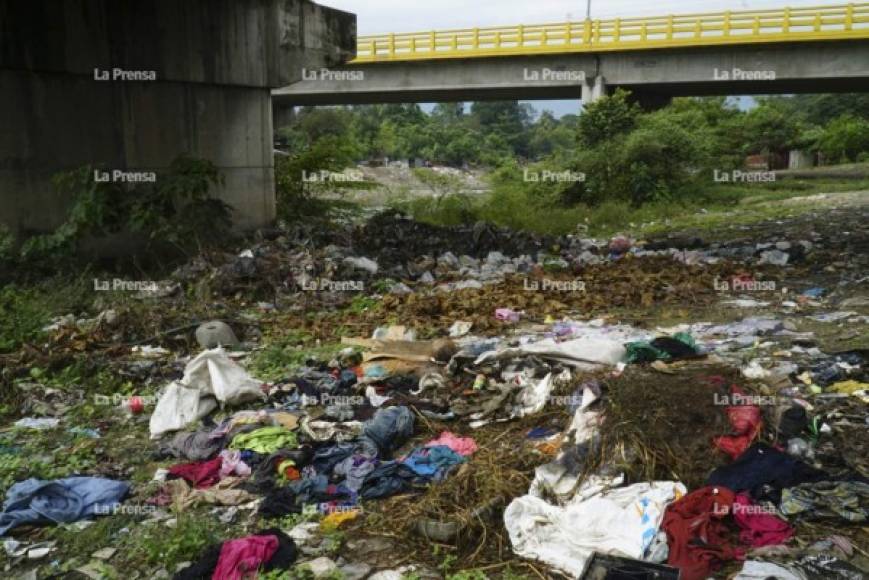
[{"x": 728, "y": 53}]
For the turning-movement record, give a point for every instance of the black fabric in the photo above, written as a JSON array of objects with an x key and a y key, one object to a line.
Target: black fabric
[
  {"x": 283, "y": 558},
  {"x": 278, "y": 503},
  {"x": 204, "y": 567},
  {"x": 792, "y": 422},
  {"x": 764, "y": 472},
  {"x": 674, "y": 347},
  {"x": 265, "y": 469},
  {"x": 286, "y": 554}
]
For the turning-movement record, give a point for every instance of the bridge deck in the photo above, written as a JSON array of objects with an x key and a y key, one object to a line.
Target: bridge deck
[{"x": 838, "y": 22}]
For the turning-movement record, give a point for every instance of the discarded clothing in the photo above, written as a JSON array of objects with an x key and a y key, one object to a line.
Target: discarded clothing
[
  {"x": 193, "y": 446},
  {"x": 747, "y": 423},
  {"x": 387, "y": 431},
  {"x": 756, "y": 570},
  {"x": 848, "y": 500},
  {"x": 461, "y": 445},
  {"x": 791, "y": 422},
  {"x": 696, "y": 532},
  {"x": 232, "y": 464},
  {"x": 355, "y": 469},
  {"x": 230, "y": 427},
  {"x": 35, "y": 501},
  {"x": 265, "y": 440},
  {"x": 764, "y": 472},
  {"x": 432, "y": 462},
  {"x": 621, "y": 522},
  {"x": 390, "y": 478},
  {"x": 278, "y": 503},
  {"x": 181, "y": 496},
  {"x": 209, "y": 379},
  {"x": 665, "y": 348},
  {"x": 580, "y": 352},
  {"x": 282, "y": 558},
  {"x": 244, "y": 556},
  {"x": 199, "y": 474},
  {"x": 759, "y": 527}
]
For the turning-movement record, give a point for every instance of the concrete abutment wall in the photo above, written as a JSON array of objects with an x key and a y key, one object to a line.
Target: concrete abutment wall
[{"x": 213, "y": 63}]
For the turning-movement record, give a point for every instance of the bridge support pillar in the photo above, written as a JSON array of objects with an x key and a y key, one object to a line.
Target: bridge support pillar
[{"x": 593, "y": 89}]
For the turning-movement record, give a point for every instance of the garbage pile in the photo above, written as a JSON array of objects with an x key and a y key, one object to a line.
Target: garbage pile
[{"x": 516, "y": 426}]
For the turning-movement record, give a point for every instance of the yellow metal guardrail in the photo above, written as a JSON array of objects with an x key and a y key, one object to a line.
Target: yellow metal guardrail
[{"x": 731, "y": 27}]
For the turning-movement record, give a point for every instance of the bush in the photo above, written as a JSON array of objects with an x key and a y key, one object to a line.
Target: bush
[
  {"x": 844, "y": 139},
  {"x": 176, "y": 209},
  {"x": 296, "y": 195}
]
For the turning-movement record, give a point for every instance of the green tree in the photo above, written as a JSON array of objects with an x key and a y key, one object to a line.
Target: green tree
[
  {"x": 844, "y": 139},
  {"x": 607, "y": 118}
]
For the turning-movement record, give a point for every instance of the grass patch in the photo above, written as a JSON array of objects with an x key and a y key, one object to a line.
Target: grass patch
[{"x": 708, "y": 208}]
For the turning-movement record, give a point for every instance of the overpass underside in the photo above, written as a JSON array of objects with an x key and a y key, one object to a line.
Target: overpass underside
[{"x": 654, "y": 76}]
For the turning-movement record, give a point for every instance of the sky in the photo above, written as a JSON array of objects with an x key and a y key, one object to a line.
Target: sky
[{"x": 380, "y": 16}]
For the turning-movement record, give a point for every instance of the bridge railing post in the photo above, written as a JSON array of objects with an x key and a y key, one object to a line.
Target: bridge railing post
[
  {"x": 521, "y": 36},
  {"x": 586, "y": 32},
  {"x": 432, "y": 41},
  {"x": 670, "y": 27},
  {"x": 617, "y": 30},
  {"x": 726, "y": 23},
  {"x": 786, "y": 25},
  {"x": 391, "y": 44},
  {"x": 476, "y": 41},
  {"x": 849, "y": 17}
]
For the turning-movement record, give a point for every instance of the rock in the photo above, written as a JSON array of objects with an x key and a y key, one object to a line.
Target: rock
[
  {"x": 355, "y": 570},
  {"x": 104, "y": 554},
  {"x": 304, "y": 533},
  {"x": 449, "y": 260},
  {"x": 370, "y": 545},
  {"x": 322, "y": 566},
  {"x": 774, "y": 257},
  {"x": 365, "y": 264},
  {"x": 215, "y": 333}
]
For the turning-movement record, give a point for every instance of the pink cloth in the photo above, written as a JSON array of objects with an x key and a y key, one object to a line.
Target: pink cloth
[
  {"x": 759, "y": 528},
  {"x": 232, "y": 464},
  {"x": 243, "y": 557},
  {"x": 461, "y": 445}
]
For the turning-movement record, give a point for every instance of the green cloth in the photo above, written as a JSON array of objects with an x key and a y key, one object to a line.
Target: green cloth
[
  {"x": 265, "y": 440},
  {"x": 643, "y": 351},
  {"x": 848, "y": 500}
]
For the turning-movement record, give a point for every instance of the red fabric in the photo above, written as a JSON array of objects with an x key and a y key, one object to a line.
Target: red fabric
[
  {"x": 746, "y": 421},
  {"x": 242, "y": 558},
  {"x": 199, "y": 474},
  {"x": 696, "y": 532},
  {"x": 759, "y": 528}
]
